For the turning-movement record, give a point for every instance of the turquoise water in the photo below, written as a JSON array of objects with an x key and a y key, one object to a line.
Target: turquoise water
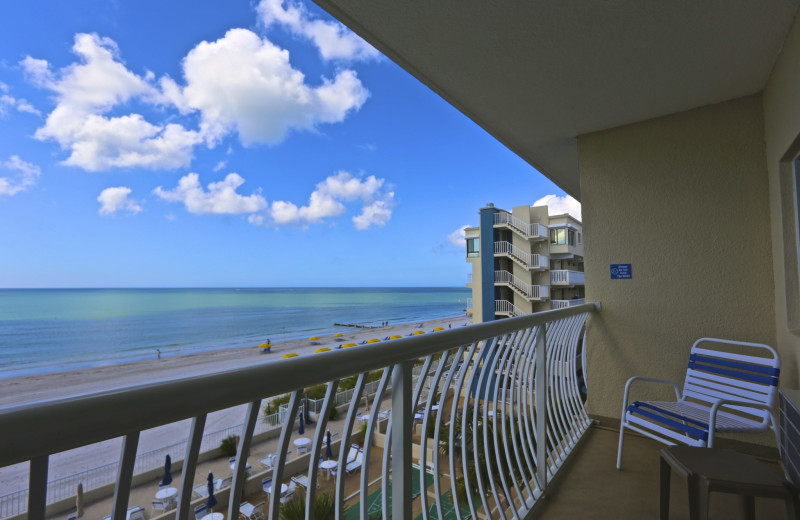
[{"x": 45, "y": 330}]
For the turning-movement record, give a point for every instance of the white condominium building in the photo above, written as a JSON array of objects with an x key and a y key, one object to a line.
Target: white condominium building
[{"x": 524, "y": 261}]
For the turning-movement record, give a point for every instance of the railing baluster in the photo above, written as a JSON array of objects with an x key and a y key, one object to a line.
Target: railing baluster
[
  {"x": 122, "y": 490},
  {"x": 402, "y": 412},
  {"x": 319, "y": 440},
  {"x": 540, "y": 381},
  {"x": 190, "y": 466},
  {"x": 344, "y": 447},
  {"x": 237, "y": 485},
  {"x": 283, "y": 446},
  {"x": 37, "y": 488}
]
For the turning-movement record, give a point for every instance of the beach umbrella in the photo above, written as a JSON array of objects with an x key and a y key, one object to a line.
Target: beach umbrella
[
  {"x": 301, "y": 430},
  {"x": 396, "y": 336},
  {"x": 289, "y": 355},
  {"x": 167, "y": 480},
  {"x": 212, "y": 501},
  {"x": 418, "y": 332},
  {"x": 322, "y": 349},
  {"x": 338, "y": 335},
  {"x": 328, "y": 450},
  {"x": 79, "y": 500},
  {"x": 348, "y": 345},
  {"x": 373, "y": 340}
]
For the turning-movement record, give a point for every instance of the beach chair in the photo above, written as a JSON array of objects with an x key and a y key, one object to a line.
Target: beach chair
[
  {"x": 289, "y": 493},
  {"x": 266, "y": 484},
  {"x": 740, "y": 376},
  {"x": 226, "y": 482}
]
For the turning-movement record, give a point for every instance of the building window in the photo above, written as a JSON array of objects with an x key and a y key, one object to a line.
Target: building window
[
  {"x": 579, "y": 238},
  {"x": 473, "y": 247},
  {"x": 571, "y": 235},
  {"x": 558, "y": 236}
]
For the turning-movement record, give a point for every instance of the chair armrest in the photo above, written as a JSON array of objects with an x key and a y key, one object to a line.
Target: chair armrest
[
  {"x": 712, "y": 416},
  {"x": 634, "y": 379}
]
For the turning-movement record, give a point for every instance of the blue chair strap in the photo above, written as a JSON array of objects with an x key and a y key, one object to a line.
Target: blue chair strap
[
  {"x": 712, "y": 365},
  {"x": 663, "y": 417}
]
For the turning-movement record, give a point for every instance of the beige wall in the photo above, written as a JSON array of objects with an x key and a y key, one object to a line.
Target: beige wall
[
  {"x": 683, "y": 199},
  {"x": 781, "y": 132}
]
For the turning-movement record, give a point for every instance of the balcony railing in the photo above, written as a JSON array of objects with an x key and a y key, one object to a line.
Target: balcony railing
[
  {"x": 563, "y": 277},
  {"x": 469, "y": 278},
  {"x": 563, "y": 304},
  {"x": 528, "y": 260},
  {"x": 502, "y": 397},
  {"x": 526, "y": 229},
  {"x": 531, "y": 292},
  {"x": 507, "y": 308}
]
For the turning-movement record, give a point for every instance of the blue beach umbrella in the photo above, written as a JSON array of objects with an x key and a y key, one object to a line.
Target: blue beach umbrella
[
  {"x": 212, "y": 501},
  {"x": 167, "y": 480},
  {"x": 301, "y": 430},
  {"x": 328, "y": 451}
]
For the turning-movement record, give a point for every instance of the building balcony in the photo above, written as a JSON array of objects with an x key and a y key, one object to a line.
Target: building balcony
[
  {"x": 563, "y": 304},
  {"x": 528, "y": 230},
  {"x": 522, "y": 370},
  {"x": 526, "y": 290},
  {"x": 567, "y": 278},
  {"x": 531, "y": 261}
]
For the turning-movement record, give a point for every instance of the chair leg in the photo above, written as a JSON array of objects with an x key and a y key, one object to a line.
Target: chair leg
[
  {"x": 619, "y": 449},
  {"x": 666, "y": 475},
  {"x": 749, "y": 507}
]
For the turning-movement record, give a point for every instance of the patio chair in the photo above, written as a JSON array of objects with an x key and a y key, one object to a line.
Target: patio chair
[
  {"x": 258, "y": 512},
  {"x": 199, "y": 512},
  {"x": 266, "y": 484},
  {"x": 289, "y": 493},
  {"x": 740, "y": 376},
  {"x": 357, "y": 460},
  {"x": 226, "y": 482},
  {"x": 159, "y": 505}
]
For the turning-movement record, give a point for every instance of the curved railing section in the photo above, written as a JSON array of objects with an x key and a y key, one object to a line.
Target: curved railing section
[{"x": 493, "y": 414}]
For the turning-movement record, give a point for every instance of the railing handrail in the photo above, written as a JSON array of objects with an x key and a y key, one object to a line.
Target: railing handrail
[
  {"x": 531, "y": 291},
  {"x": 115, "y": 413}
]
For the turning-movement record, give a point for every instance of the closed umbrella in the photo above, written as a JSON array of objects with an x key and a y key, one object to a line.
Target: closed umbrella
[
  {"x": 79, "y": 501},
  {"x": 328, "y": 451},
  {"x": 211, "y": 502},
  {"x": 301, "y": 430},
  {"x": 167, "y": 480}
]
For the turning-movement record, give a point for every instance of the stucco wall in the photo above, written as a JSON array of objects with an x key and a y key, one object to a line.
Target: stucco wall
[
  {"x": 683, "y": 199},
  {"x": 782, "y": 135}
]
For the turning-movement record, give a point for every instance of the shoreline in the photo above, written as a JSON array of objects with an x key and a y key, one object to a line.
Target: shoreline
[{"x": 57, "y": 385}]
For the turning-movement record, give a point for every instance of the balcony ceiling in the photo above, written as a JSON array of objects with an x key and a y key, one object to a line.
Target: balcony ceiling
[{"x": 536, "y": 74}]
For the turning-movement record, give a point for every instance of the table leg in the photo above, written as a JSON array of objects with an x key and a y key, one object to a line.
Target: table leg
[
  {"x": 792, "y": 503},
  {"x": 749, "y": 507},
  {"x": 695, "y": 508},
  {"x": 664, "y": 489}
]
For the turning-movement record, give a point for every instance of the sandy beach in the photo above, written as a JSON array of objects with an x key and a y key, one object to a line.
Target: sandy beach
[{"x": 20, "y": 390}]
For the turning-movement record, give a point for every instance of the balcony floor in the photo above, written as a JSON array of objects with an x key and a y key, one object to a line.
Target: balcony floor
[{"x": 591, "y": 487}]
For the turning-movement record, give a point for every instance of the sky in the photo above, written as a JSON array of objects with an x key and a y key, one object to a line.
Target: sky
[{"x": 231, "y": 144}]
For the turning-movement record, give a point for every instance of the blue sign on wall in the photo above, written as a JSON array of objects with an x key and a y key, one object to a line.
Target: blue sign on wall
[{"x": 621, "y": 272}]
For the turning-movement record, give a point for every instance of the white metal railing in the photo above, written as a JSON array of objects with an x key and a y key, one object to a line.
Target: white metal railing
[
  {"x": 531, "y": 292},
  {"x": 507, "y": 308},
  {"x": 563, "y": 304},
  {"x": 526, "y": 229},
  {"x": 469, "y": 303},
  {"x": 514, "y": 393},
  {"x": 564, "y": 277},
  {"x": 529, "y": 260},
  {"x": 469, "y": 278}
]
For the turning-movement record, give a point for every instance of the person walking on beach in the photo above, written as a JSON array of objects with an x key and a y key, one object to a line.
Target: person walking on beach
[{"x": 158, "y": 353}]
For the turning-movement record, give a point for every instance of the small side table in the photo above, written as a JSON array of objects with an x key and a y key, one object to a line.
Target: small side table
[{"x": 723, "y": 470}]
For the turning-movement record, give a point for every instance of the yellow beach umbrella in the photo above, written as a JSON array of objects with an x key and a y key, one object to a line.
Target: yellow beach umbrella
[
  {"x": 313, "y": 338},
  {"x": 264, "y": 345},
  {"x": 338, "y": 335},
  {"x": 418, "y": 332},
  {"x": 348, "y": 345},
  {"x": 373, "y": 340},
  {"x": 323, "y": 349},
  {"x": 396, "y": 336},
  {"x": 289, "y": 355},
  {"x": 437, "y": 329}
]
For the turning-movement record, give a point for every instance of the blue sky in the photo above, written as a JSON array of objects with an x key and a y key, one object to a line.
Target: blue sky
[{"x": 260, "y": 144}]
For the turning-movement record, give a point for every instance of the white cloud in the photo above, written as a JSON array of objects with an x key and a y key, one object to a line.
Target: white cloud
[
  {"x": 334, "y": 41},
  {"x": 244, "y": 83},
  {"x": 26, "y": 175},
  {"x": 85, "y": 91},
  {"x": 457, "y": 237},
  {"x": 116, "y": 199},
  {"x": 20, "y": 105},
  {"x": 220, "y": 165},
  {"x": 327, "y": 201},
  {"x": 221, "y": 197},
  {"x": 560, "y": 205}
]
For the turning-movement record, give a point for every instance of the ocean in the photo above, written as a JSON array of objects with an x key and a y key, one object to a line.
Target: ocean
[{"x": 48, "y": 330}]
